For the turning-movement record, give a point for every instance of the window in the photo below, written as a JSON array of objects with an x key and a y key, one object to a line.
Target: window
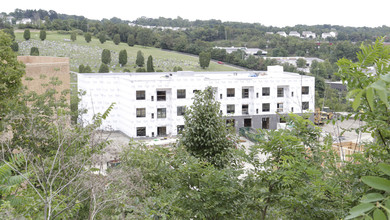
[
  {"x": 279, "y": 107},
  {"x": 245, "y": 93},
  {"x": 220, "y": 96},
  {"x": 152, "y": 98},
  {"x": 230, "y": 122},
  {"x": 230, "y": 109},
  {"x": 230, "y": 92},
  {"x": 195, "y": 91},
  {"x": 305, "y": 105},
  {"x": 161, "y": 131},
  {"x": 152, "y": 115},
  {"x": 141, "y": 131},
  {"x": 141, "y": 112},
  {"x": 140, "y": 95},
  {"x": 180, "y": 110},
  {"x": 161, "y": 95},
  {"x": 266, "y": 91},
  {"x": 257, "y": 95},
  {"x": 266, "y": 107},
  {"x": 181, "y": 93},
  {"x": 292, "y": 94},
  {"x": 180, "y": 128},
  {"x": 245, "y": 109},
  {"x": 257, "y": 111},
  {"x": 292, "y": 109},
  {"x": 305, "y": 90},
  {"x": 161, "y": 113},
  {"x": 265, "y": 123},
  {"x": 280, "y": 92},
  {"x": 247, "y": 122}
]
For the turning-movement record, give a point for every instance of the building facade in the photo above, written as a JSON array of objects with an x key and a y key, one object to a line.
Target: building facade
[{"x": 153, "y": 104}]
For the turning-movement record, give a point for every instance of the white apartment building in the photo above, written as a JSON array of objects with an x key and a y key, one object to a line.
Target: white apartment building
[{"x": 153, "y": 104}]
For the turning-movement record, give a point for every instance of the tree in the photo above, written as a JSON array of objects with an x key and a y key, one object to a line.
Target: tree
[
  {"x": 177, "y": 68},
  {"x": 149, "y": 64},
  {"x": 42, "y": 35},
  {"x": 103, "y": 68},
  {"x": 130, "y": 40},
  {"x": 87, "y": 69},
  {"x": 116, "y": 39},
  {"x": 26, "y": 34},
  {"x": 73, "y": 36},
  {"x": 34, "y": 51},
  {"x": 102, "y": 37},
  {"x": 123, "y": 57},
  {"x": 301, "y": 63},
  {"x": 11, "y": 72},
  {"x": 204, "y": 59},
  {"x": 106, "y": 56},
  {"x": 15, "y": 46},
  {"x": 140, "y": 60},
  {"x": 81, "y": 68},
  {"x": 206, "y": 135},
  {"x": 88, "y": 37},
  {"x": 140, "y": 70}
]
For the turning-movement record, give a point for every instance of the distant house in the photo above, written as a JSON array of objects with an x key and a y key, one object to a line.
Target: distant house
[
  {"x": 269, "y": 32},
  {"x": 248, "y": 51},
  {"x": 24, "y": 21},
  {"x": 294, "y": 34},
  {"x": 282, "y": 33},
  {"x": 330, "y": 34},
  {"x": 293, "y": 61},
  {"x": 308, "y": 34}
]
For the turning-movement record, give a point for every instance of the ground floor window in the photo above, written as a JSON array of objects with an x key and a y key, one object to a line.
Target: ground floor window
[
  {"x": 161, "y": 131},
  {"x": 305, "y": 105},
  {"x": 247, "y": 122},
  {"x": 265, "y": 123},
  {"x": 141, "y": 131},
  {"x": 180, "y": 128},
  {"x": 230, "y": 122}
]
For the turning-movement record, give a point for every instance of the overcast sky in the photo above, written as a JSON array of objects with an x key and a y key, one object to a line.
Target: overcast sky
[{"x": 280, "y": 13}]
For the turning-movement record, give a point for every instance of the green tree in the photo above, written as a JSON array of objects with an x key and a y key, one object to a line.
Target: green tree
[
  {"x": 11, "y": 32},
  {"x": 88, "y": 37},
  {"x": 204, "y": 59},
  {"x": 123, "y": 57},
  {"x": 130, "y": 40},
  {"x": 116, "y": 39},
  {"x": 206, "y": 135},
  {"x": 102, "y": 37},
  {"x": 177, "y": 68},
  {"x": 104, "y": 68},
  {"x": 301, "y": 63},
  {"x": 26, "y": 34},
  {"x": 11, "y": 72},
  {"x": 81, "y": 68},
  {"x": 34, "y": 51},
  {"x": 15, "y": 46},
  {"x": 106, "y": 56},
  {"x": 149, "y": 64},
  {"x": 87, "y": 69},
  {"x": 140, "y": 60},
  {"x": 140, "y": 70},
  {"x": 42, "y": 35},
  {"x": 73, "y": 36}
]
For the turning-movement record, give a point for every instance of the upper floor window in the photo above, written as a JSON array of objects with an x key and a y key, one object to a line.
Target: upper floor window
[
  {"x": 141, "y": 112},
  {"x": 245, "y": 93},
  {"x": 230, "y": 92},
  {"x": 245, "y": 109},
  {"x": 161, "y": 113},
  {"x": 305, "y": 90},
  {"x": 140, "y": 95},
  {"x": 305, "y": 105},
  {"x": 280, "y": 92},
  {"x": 265, "y": 107},
  {"x": 181, "y": 93},
  {"x": 230, "y": 109},
  {"x": 161, "y": 95},
  {"x": 266, "y": 91},
  {"x": 181, "y": 110}
]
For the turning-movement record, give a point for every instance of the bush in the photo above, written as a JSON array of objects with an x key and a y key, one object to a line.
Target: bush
[
  {"x": 81, "y": 68},
  {"x": 15, "y": 46},
  {"x": 116, "y": 39},
  {"x": 104, "y": 68},
  {"x": 125, "y": 70},
  {"x": 34, "y": 51},
  {"x": 140, "y": 70}
]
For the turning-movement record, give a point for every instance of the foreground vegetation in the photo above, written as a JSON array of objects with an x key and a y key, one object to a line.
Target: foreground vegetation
[{"x": 48, "y": 165}]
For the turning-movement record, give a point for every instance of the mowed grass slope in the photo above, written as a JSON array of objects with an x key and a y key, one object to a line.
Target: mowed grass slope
[{"x": 81, "y": 52}]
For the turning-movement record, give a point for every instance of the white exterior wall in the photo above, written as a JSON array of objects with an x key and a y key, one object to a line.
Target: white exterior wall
[{"x": 104, "y": 89}]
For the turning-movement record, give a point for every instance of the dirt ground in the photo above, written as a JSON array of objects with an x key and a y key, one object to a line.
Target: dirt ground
[{"x": 350, "y": 134}]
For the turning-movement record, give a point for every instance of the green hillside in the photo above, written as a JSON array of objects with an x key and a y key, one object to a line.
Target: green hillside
[{"x": 81, "y": 52}]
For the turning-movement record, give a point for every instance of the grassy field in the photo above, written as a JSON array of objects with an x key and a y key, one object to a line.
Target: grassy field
[{"x": 81, "y": 52}]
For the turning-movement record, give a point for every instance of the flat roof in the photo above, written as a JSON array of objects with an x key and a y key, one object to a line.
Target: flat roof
[{"x": 209, "y": 75}]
